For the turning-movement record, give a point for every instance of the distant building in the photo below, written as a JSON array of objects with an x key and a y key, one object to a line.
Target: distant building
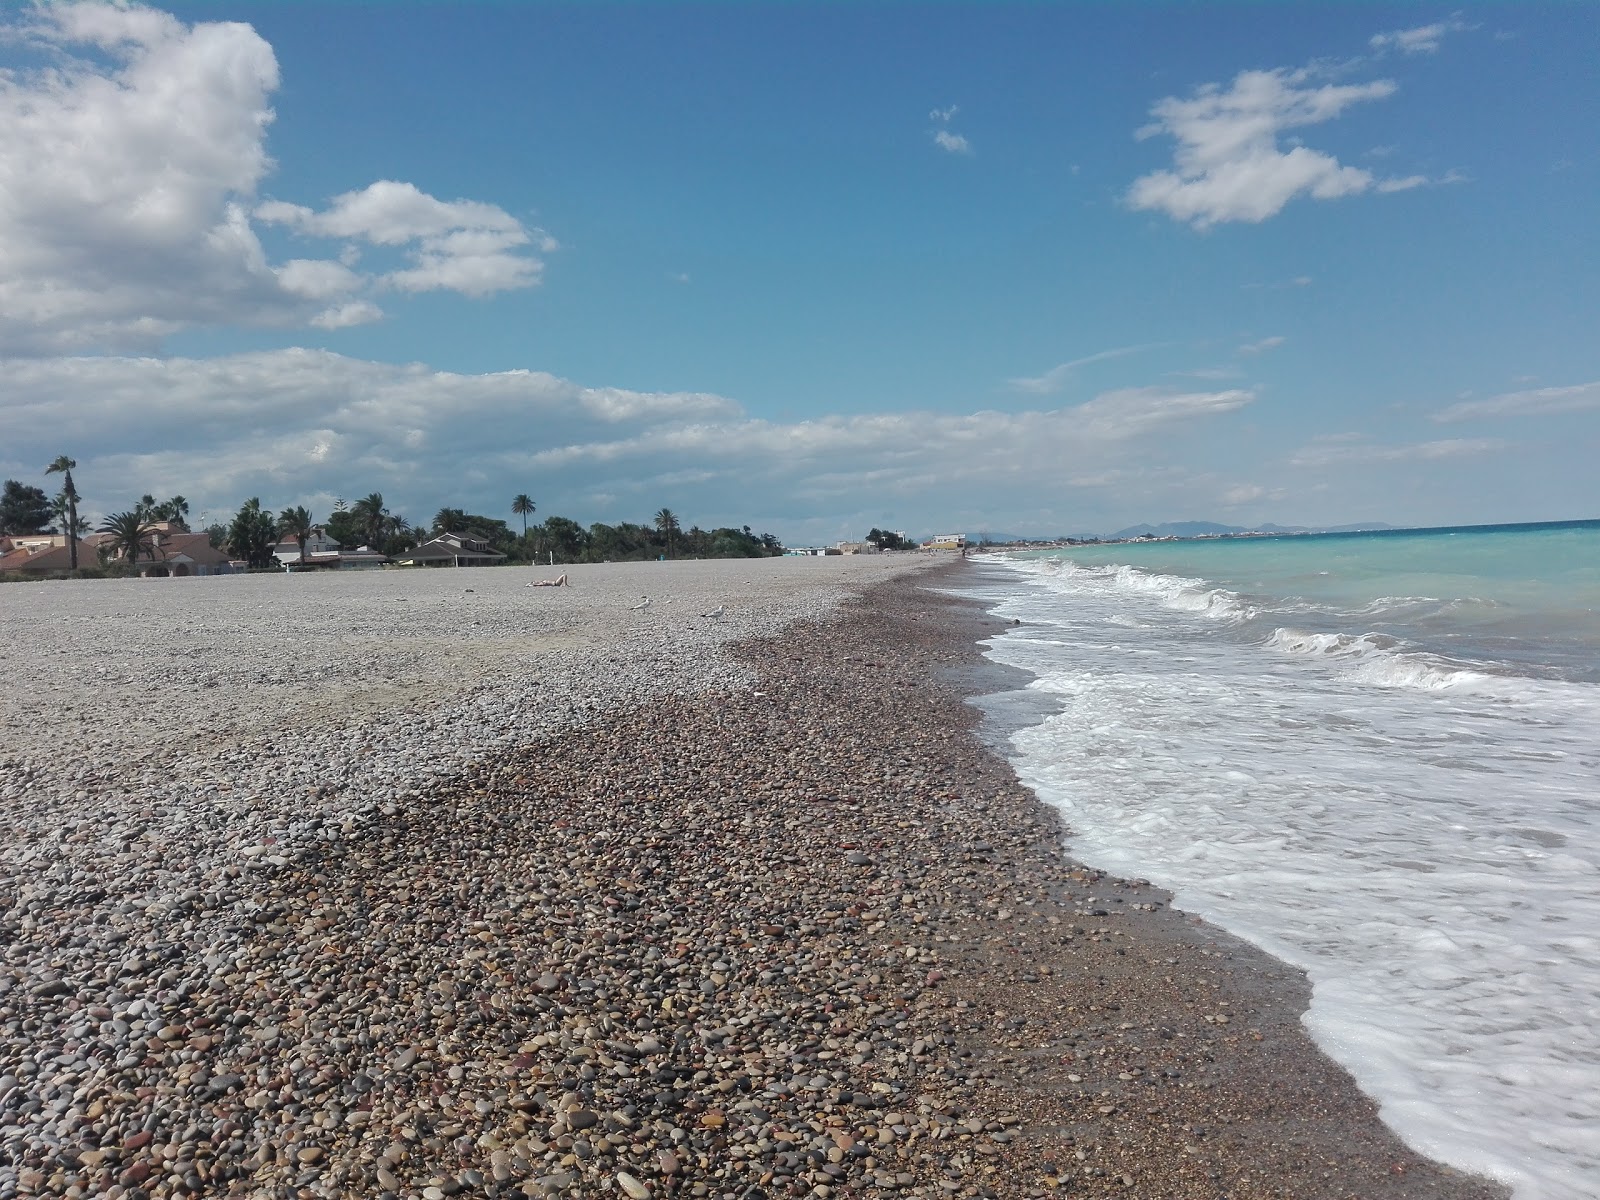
[
  {"x": 452, "y": 550},
  {"x": 172, "y": 552},
  {"x": 43, "y": 554},
  {"x": 857, "y": 548},
  {"x": 323, "y": 554},
  {"x": 947, "y": 541}
]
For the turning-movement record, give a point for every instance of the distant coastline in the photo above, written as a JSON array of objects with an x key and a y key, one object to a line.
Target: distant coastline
[{"x": 1170, "y": 533}]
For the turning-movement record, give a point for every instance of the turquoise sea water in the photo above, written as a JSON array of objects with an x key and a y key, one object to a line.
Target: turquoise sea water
[
  {"x": 1511, "y": 598},
  {"x": 1378, "y": 757}
]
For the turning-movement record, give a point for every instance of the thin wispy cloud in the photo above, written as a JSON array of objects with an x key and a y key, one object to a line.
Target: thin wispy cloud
[
  {"x": 1228, "y": 163},
  {"x": 1423, "y": 39},
  {"x": 1534, "y": 402},
  {"x": 1210, "y": 373},
  {"x": 1056, "y": 377},
  {"x": 1336, "y": 453},
  {"x": 1261, "y": 347}
]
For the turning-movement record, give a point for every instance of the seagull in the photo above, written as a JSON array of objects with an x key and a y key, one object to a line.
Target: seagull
[
  {"x": 643, "y": 604},
  {"x": 714, "y": 613}
]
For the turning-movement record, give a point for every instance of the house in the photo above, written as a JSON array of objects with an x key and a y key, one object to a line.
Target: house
[
  {"x": 172, "y": 553},
  {"x": 29, "y": 556},
  {"x": 808, "y": 551},
  {"x": 857, "y": 548},
  {"x": 323, "y": 554},
  {"x": 288, "y": 550},
  {"x": 452, "y": 550},
  {"x": 947, "y": 541}
]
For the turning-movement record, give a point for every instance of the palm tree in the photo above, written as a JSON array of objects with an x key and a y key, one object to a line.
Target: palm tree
[
  {"x": 69, "y": 500},
  {"x": 296, "y": 523},
  {"x": 450, "y": 520},
  {"x": 175, "y": 512},
  {"x": 522, "y": 505},
  {"x": 373, "y": 518},
  {"x": 667, "y": 524},
  {"x": 131, "y": 534}
]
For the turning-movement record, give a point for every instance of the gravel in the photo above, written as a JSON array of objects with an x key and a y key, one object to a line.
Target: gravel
[{"x": 531, "y": 894}]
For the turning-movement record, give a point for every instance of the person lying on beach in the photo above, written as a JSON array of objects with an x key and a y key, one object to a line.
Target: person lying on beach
[{"x": 558, "y": 581}]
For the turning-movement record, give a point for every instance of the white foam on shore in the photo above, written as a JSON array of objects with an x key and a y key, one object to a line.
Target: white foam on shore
[{"x": 1419, "y": 836}]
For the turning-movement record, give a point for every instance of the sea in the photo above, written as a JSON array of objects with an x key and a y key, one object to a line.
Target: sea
[{"x": 1377, "y": 757}]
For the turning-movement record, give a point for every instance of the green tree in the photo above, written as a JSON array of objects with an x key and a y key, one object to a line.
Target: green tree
[
  {"x": 175, "y": 512},
  {"x": 522, "y": 505},
  {"x": 68, "y": 503},
  {"x": 344, "y": 528},
  {"x": 399, "y": 536},
  {"x": 132, "y": 534},
  {"x": 885, "y": 540},
  {"x": 23, "y": 508},
  {"x": 372, "y": 517},
  {"x": 667, "y": 524},
  {"x": 252, "y": 534},
  {"x": 450, "y": 520},
  {"x": 296, "y": 523},
  {"x": 564, "y": 538}
]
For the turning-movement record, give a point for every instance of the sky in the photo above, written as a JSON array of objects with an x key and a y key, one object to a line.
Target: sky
[{"x": 811, "y": 267}]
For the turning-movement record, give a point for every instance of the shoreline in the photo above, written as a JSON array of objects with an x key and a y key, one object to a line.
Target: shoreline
[
  {"x": 803, "y": 935},
  {"x": 1183, "y": 1052}
]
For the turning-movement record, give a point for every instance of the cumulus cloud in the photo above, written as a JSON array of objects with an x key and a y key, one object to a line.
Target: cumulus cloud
[
  {"x": 1336, "y": 452},
  {"x": 460, "y": 245},
  {"x": 1534, "y": 402},
  {"x": 1424, "y": 39},
  {"x": 296, "y": 425},
  {"x": 1228, "y": 164},
  {"x": 129, "y": 173}
]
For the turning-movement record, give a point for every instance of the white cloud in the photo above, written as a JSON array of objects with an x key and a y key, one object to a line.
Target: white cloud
[
  {"x": 1228, "y": 164},
  {"x": 129, "y": 169},
  {"x": 1331, "y": 452},
  {"x": 293, "y": 425},
  {"x": 1424, "y": 39},
  {"x": 1055, "y": 378},
  {"x": 352, "y": 312},
  {"x": 1213, "y": 374},
  {"x": 953, "y": 143},
  {"x": 1535, "y": 402},
  {"x": 1261, "y": 347},
  {"x": 460, "y": 245}
]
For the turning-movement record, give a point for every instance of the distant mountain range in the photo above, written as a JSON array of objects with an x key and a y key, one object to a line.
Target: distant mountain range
[{"x": 1180, "y": 529}]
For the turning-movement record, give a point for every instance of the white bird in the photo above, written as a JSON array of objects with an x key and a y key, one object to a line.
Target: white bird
[
  {"x": 714, "y": 613},
  {"x": 644, "y": 603}
]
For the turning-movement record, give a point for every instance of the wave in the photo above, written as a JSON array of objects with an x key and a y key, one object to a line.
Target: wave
[
  {"x": 1376, "y": 659},
  {"x": 1176, "y": 592}
]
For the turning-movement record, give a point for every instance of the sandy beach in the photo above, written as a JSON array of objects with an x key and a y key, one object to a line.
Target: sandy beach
[{"x": 428, "y": 884}]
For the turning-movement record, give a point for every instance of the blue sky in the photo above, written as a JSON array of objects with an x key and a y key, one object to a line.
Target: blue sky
[{"x": 814, "y": 267}]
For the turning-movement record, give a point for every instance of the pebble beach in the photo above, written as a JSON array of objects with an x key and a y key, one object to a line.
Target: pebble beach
[{"x": 428, "y": 883}]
